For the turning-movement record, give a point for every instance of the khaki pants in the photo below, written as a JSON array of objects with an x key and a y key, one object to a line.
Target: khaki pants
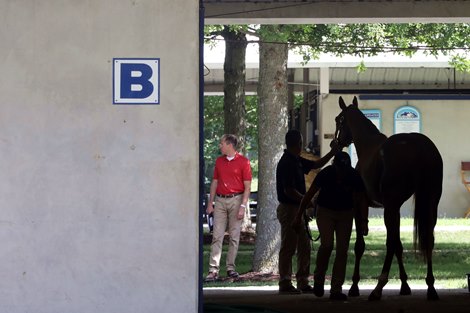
[
  {"x": 225, "y": 214},
  {"x": 331, "y": 222},
  {"x": 291, "y": 241}
]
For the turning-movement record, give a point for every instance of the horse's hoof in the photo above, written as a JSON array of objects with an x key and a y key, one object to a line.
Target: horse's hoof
[
  {"x": 375, "y": 295},
  {"x": 432, "y": 294},
  {"x": 354, "y": 291},
  {"x": 405, "y": 290}
]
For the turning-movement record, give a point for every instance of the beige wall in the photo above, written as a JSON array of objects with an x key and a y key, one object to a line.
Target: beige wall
[
  {"x": 444, "y": 121},
  {"x": 92, "y": 217}
]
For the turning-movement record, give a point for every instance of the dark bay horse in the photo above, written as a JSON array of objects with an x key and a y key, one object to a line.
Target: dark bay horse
[{"x": 393, "y": 169}]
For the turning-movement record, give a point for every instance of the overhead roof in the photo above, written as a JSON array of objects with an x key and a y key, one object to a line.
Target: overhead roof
[
  {"x": 385, "y": 72},
  {"x": 334, "y": 11},
  {"x": 382, "y": 73}
]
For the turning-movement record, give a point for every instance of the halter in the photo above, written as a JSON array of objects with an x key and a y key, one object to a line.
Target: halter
[
  {"x": 339, "y": 122},
  {"x": 339, "y": 128}
]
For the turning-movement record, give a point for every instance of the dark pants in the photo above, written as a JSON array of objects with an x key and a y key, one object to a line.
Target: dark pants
[
  {"x": 292, "y": 240},
  {"x": 331, "y": 222}
]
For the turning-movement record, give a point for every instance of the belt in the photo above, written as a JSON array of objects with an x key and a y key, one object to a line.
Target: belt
[{"x": 229, "y": 195}]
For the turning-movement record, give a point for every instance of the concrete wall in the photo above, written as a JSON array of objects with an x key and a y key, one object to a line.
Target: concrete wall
[
  {"x": 444, "y": 121},
  {"x": 97, "y": 201}
]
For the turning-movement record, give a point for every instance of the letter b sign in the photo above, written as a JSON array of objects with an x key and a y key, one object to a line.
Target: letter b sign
[{"x": 136, "y": 81}]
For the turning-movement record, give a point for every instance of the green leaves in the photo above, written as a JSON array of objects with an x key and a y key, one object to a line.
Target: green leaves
[
  {"x": 460, "y": 63},
  {"x": 361, "y": 68},
  {"x": 368, "y": 39}
]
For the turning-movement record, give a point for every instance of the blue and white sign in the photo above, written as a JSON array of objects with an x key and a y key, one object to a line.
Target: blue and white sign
[
  {"x": 136, "y": 81},
  {"x": 407, "y": 120}
]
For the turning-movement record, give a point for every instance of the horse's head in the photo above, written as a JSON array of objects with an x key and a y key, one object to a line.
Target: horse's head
[{"x": 343, "y": 133}]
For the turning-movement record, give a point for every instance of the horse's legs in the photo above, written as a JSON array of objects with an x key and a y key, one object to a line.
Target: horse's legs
[
  {"x": 359, "y": 248},
  {"x": 392, "y": 223},
  {"x": 432, "y": 293},
  {"x": 405, "y": 288},
  {"x": 361, "y": 206}
]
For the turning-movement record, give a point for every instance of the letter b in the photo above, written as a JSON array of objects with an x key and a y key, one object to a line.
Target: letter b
[{"x": 136, "y": 81}]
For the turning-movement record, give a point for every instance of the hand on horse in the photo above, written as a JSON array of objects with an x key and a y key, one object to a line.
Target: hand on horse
[{"x": 335, "y": 146}]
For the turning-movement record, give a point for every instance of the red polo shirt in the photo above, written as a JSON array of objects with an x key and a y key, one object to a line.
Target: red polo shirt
[{"x": 231, "y": 174}]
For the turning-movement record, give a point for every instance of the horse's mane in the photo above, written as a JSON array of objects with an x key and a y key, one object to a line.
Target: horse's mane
[{"x": 359, "y": 120}]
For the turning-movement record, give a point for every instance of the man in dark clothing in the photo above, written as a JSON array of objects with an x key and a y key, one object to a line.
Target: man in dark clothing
[
  {"x": 339, "y": 186},
  {"x": 290, "y": 186}
]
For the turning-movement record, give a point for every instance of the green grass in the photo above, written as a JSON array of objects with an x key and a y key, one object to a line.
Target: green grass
[
  {"x": 408, "y": 221},
  {"x": 451, "y": 258}
]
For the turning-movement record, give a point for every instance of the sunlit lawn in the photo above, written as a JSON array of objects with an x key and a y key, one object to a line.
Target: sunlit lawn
[{"x": 451, "y": 258}]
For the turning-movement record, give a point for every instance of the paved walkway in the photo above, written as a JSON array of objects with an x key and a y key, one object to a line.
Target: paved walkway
[{"x": 266, "y": 299}]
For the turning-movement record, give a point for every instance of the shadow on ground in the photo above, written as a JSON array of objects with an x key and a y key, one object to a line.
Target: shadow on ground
[{"x": 269, "y": 301}]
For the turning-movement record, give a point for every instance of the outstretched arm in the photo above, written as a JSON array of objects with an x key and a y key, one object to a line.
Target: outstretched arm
[
  {"x": 311, "y": 165},
  {"x": 334, "y": 149}
]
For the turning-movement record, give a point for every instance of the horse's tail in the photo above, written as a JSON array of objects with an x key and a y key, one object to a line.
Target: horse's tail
[{"x": 427, "y": 195}]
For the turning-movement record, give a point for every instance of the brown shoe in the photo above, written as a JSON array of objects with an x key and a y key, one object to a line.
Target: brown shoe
[{"x": 211, "y": 277}]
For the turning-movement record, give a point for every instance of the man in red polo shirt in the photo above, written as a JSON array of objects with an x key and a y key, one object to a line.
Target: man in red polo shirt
[{"x": 230, "y": 190}]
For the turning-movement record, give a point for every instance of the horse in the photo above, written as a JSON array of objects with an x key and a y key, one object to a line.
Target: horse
[{"x": 393, "y": 169}]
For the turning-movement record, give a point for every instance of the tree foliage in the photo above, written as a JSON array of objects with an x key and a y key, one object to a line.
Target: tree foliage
[
  {"x": 366, "y": 39},
  {"x": 373, "y": 39}
]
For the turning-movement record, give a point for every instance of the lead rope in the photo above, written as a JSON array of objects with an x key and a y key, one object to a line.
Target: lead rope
[{"x": 307, "y": 228}]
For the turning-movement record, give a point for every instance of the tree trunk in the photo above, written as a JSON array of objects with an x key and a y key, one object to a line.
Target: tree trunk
[
  {"x": 234, "y": 94},
  {"x": 272, "y": 127}
]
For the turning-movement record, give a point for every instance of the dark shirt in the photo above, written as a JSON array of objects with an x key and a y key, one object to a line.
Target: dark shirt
[
  {"x": 337, "y": 194},
  {"x": 290, "y": 172}
]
